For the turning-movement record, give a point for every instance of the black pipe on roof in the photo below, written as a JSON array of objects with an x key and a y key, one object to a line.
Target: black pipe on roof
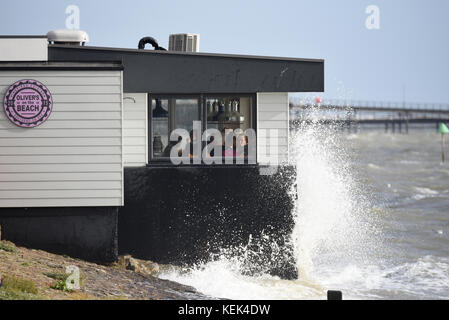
[{"x": 151, "y": 41}]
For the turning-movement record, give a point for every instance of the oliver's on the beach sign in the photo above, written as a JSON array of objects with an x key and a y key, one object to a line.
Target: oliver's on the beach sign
[{"x": 27, "y": 103}]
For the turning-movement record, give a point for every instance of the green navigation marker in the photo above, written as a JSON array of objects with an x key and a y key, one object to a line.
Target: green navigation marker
[{"x": 443, "y": 129}]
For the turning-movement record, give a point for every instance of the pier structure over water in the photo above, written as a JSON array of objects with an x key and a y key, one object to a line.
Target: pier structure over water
[{"x": 392, "y": 116}]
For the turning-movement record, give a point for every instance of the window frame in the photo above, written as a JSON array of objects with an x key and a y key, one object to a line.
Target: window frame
[{"x": 202, "y": 113}]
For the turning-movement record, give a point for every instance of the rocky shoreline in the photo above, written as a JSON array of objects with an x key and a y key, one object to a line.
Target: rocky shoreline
[{"x": 129, "y": 278}]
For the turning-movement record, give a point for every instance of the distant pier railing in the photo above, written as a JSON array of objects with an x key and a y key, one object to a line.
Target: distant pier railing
[
  {"x": 394, "y": 115},
  {"x": 365, "y": 105}
]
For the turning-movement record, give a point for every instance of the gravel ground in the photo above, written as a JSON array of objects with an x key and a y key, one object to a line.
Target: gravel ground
[{"x": 97, "y": 281}]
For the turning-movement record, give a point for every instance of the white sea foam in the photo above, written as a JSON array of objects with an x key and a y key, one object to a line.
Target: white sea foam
[
  {"x": 426, "y": 191},
  {"x": 373, "y": 166},
  {"x": 222, "y": 279},
  {"x": 426, "y": 278}
]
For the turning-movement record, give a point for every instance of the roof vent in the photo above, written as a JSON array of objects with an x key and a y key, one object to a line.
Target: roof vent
[{"x": 68, "y": 37}]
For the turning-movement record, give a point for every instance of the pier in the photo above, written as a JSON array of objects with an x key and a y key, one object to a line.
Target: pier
[{"x": 396, "y": 117}]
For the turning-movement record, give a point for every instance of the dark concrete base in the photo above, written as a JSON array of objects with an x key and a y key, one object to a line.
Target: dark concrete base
[
  {"x": 183, "y": 215},
  {"x": 86, "y": 233},
  {"x": 177, "y": 215}
]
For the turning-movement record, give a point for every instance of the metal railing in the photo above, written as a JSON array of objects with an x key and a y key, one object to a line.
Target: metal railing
[{"x": 377, "y": 105}]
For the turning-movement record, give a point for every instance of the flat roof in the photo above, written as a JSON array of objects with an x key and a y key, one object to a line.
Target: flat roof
[{"x": 21, "y": 36}]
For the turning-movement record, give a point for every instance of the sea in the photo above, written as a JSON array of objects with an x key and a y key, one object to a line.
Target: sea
[{"x": 371, "y": 220}]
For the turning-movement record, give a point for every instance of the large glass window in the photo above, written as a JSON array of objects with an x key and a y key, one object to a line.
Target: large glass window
[
  {"x": 168, "y": 114},
  {"x": 231, "y": 116},
  {"x": 221, "y": 112}
]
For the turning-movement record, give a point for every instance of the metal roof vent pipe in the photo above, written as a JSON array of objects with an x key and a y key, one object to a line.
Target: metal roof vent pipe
[
  {"x": 151, "y": 41},
  {"x": 68, "y": 37}
]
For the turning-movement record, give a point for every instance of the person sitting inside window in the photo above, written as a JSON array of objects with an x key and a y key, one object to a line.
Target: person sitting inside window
[
  {"x": 230, "y": 151},
  {"x": 170, "y": 145},
  {"x": 243, "y": 150}
]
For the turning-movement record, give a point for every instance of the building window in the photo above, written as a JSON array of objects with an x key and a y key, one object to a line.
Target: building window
[
  {"x": 229, "y": 113},
  {"x": 168, "y": 114},
  {"x": 221, "y": 112}
]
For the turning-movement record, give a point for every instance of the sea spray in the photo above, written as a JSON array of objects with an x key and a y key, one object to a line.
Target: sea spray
[
  {"x": 333, "y": 221},
  {"x": 332, "y": 228}
]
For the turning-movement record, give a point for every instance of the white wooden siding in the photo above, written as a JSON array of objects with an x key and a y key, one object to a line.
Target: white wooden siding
[
  {"x": 272, "y": 120},
  {"x": 135, "y": 132},
  {"x": 75, "y": 157}
]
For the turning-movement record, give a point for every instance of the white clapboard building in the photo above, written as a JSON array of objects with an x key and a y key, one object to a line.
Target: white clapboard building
[{"x": 86, "y": 157}]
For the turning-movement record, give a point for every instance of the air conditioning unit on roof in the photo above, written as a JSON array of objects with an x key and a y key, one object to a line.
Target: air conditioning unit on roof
[{"x": 185, "y": 42}]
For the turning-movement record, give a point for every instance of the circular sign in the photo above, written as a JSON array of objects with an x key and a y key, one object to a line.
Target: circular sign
[{"x": 28, "y": 103}]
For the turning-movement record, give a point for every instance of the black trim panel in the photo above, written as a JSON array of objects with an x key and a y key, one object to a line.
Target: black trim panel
[{"x": 168, "y": 72}]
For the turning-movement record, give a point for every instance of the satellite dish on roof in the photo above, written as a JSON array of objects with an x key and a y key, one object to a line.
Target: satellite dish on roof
[{"x": 68, "y": 37}]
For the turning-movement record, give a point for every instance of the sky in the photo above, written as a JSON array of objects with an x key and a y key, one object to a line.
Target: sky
[{"x": 405, "y": 58}]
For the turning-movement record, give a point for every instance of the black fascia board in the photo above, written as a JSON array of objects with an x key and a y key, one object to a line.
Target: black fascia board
[{"x": 174, "y": 72}]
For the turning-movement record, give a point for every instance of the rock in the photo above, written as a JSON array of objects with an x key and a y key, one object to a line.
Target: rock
[{"x": 140, "y": 266}]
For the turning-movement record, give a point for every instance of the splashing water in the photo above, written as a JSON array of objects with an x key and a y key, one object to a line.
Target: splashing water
[
  {"x": 335, "y": 226},
  {"x": 332, "y": 226},
  {"x": 334, "y": 223}
]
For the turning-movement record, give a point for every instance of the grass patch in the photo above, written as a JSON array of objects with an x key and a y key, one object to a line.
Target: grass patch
[
  {"x": 17, "y": 295},
  {"x": 6, "y": 247},
  {"x": 14, "y": 288},
  {"x": 57, "y": 275},
  {"x": 61, "y": 281},
  {"x": 18, "y": 284},
  {"x": 61, "y": 285}
]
